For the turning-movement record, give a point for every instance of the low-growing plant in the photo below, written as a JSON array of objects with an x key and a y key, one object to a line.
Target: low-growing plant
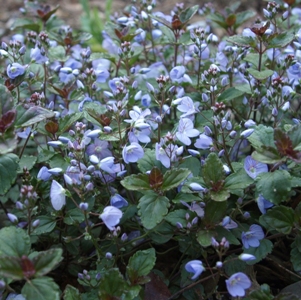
[{"x": 165, "y": 165}]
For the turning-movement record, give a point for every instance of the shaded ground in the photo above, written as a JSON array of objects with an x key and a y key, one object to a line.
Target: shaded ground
[{"x": 71, "y": 10}]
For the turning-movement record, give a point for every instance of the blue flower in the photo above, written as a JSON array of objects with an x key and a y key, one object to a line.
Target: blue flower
[
  {"x": 263, "y": 204},
  {"x": 252, "y": 237},
  {"x": 118, "y": 201},
  {"x": 203, "y": 142},
  {"x": 132, "y": 153},
  {"x": 254, "y": 167},
  {"x": 237, "y": 284},
  {"x": 177, "y": 73},
  {"x": 196, "y": 267},
  {"x": 14, "y": 70},
  {"x": 186, "y": 131},
  {"x": 111, "y": 216},
  {"x": 37, "y": 56},
  {"x": 57, "y": 195},
  {"x": 99, "y": 148}
]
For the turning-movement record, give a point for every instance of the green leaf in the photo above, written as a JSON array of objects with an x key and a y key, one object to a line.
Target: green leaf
[
  {"x": 204, "y": 237},
  {"x": 295, "y": 135},
  {"x": 26, "y": 24},
  {"x": 152, "y": 208},
  {"x": 162, "y": 233},
  {"x": 32, "y": 115},
  {"x": 214, "y": 212},
  {"x": 260, "y": 252},
  {"x": 252, "y": 58},
  {"x": 10, "y": 268},
  {"x": 188, "y": 13},
  {"x": 263, "y": 294},
  {"x": 68, "y": 121},
  {"x": 45, "y": 261},
  {"x": 230, "y": 94},
  {"x": 213, "y": 170},
  {"x": 174, "y": 178},
  {"x": 8, "y": 171},
  {"x": 192, "y": 164},
  {"x": 295, "y": 257},
  {"x": 281, "y": 40},
  {"x": 243, "y": 16},
  {"x": 28, "y": 162},
  {"x": 268, "y": 155},
  {"x": 47, "y": 224},
  {"x": 260, "y": 75},
  {"x": 274, "y": 186},
  {"x": 14, "y": 242},
  {"x": 280, "y": 218},
  {"x": 71, "y": 293},
  {"x": 57, "y": 53},
  {"x": 112, "y": 284},
  {"x": 242, "y": 40},
  {"x": 43, "y": 288},
  {"x": 219, "y": 196},
  {"x": 148, "y": 161},
  {"x": 8, "y": 145},
  {"x": 178, "y": 215},
  {"x": 223, "y": 232},
  {"x": 140, "y": 264},
  {"x": 137, "y": 182},
  {"x": 74, "y": 216},
  {"x": 236, "y": 182}
]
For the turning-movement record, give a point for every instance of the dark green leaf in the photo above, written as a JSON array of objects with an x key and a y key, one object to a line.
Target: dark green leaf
[
  {"x": 237, "y": 182},
  {"x": 43, "y": 288},
  {"x": 280, "y": 218},
  {"x": 28, "y": 162},
  {"x": 148, "y": 161},
  {"x": 174, "y": 178},
  {"x": 243, "y": 16},
  {"x": 242, "y": 40},
  {"x": 222, "y": 232},
  {"x": 193, "y": 164},
  {"x": 140, "y": 264},
  {"x": 29, "y": 24},
  {"x": 213, "y": 171},
  {"x": 45, "y": 261},
  {"x": 14, "y": 242},
  {"x": 296, "y": 257},
  {"x": 8, "y": 144},
  {"x": 47, "y": 224},
  {"x": 220, "y": 195},
  {"x": 8, "y": 171},
  {"x": 32, "y": 115},
  {"x": 137, "y": 182},
  {"x": 57, "y": 53},
  {"x": 68, "y": 121},
  {"x": 178, "y": 215},
  {"x": 71, "y": 293},
  {"x": 204, "y": 237},
  {"x": 281, "y": 40},
  {"x": 260, "y": 252},
  {"x": 274, "y": 186},
  {"x": 112, "y": 284},
  {"x": 74, "y": 216},
  {"x": 152, "y": 208},
  {"x": 214, "y": 212},
  {"x": 10, "y": 267}
]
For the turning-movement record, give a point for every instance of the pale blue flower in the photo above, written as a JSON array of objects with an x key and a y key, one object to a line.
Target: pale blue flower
[
  {"x": 263, "y": 204},
  {"x": 132, "y": 153},
  {"x": 99, "y": 148},
  {"x": 203, "y": 142},
  {"x": 57, "y": 195},
  {"x": 37, "y": 56},
  {"x": 237, "y": 284},
  {"x": 118, "y": 201},
  {"x": 186, "y": 131},
  {"x": 166, "y": 154},
  {"x": 14, "y": 70},
  {"x": 252, "y": 237},
  {"x": 254, "y": 167},
  {"x": 111, "y": 216},
  {"x": 196, "y": 267}
]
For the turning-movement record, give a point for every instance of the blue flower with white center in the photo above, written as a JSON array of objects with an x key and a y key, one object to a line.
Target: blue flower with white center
[
  {"x": 252, "y": 237},
  {"x": 254, "y": 167},
  {"x": 237, "y": 284},
  {"x": 196, "y": 267},
  {"x": 14, "y": 70},
  {"x": 132, "y": 153}
]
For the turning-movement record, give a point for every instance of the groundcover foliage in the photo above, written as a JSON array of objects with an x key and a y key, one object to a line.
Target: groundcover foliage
[{"x": 151, "y": 157}]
